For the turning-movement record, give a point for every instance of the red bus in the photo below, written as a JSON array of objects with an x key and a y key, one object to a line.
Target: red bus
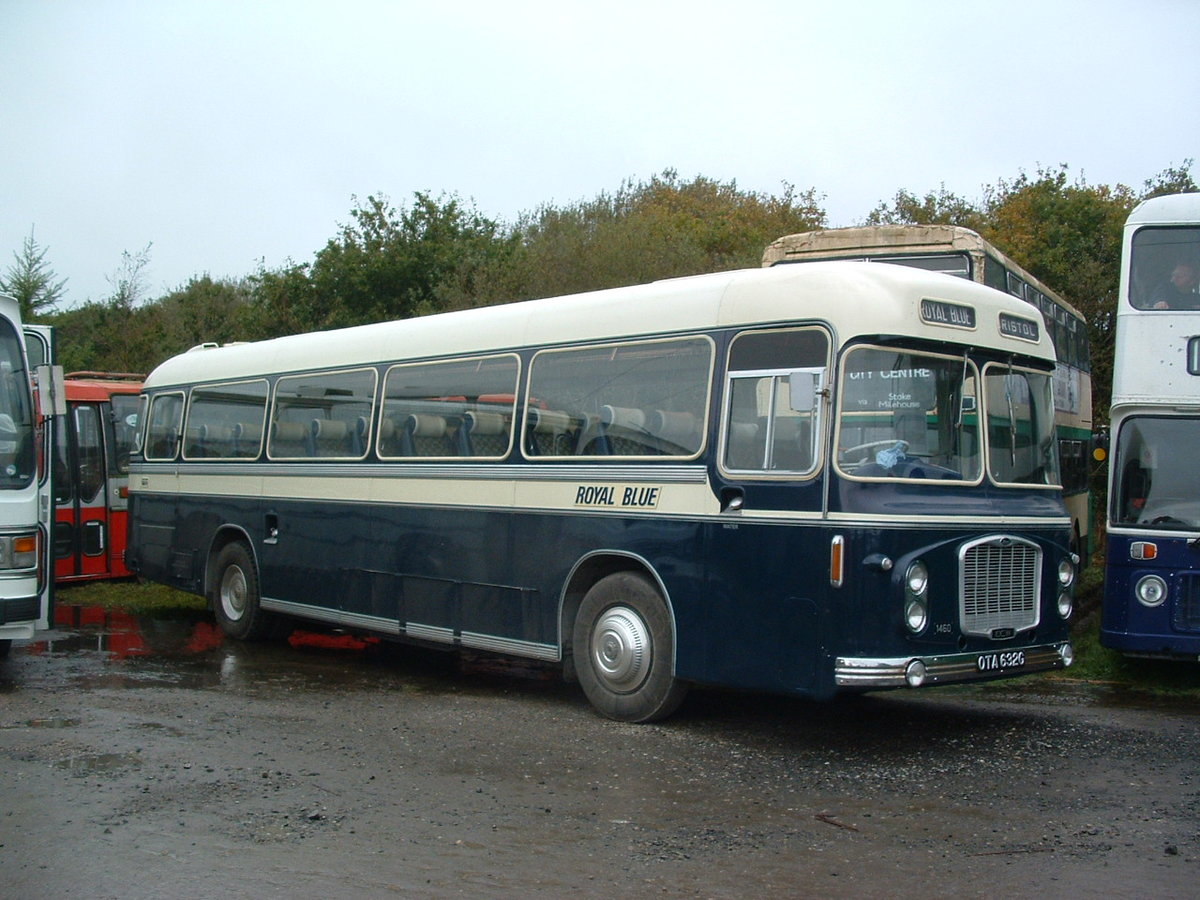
[{"x": 91, "y": 475}]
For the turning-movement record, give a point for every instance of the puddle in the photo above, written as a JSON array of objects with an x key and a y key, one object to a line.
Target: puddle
[
  {"x": 51, "y": 722},
  {"x": 97, "y": 648},
  {"x": 93, "y": 763},
  {"x": 123, "y": 635},
  {"x": 93, "y": 648}
]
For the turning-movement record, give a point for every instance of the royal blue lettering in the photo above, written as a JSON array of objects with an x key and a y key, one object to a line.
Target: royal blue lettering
[
  {"x": 594, "y": 496},
  {"x": 639, "y": 496}
]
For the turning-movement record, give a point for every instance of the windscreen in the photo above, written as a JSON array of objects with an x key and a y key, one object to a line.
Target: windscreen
[
  {"x": 17, "y": 459},
  {"x": 1020, "y": 419},
  {"x": 1164, "y": 271},
  {"x": 908, "y": 415},
  {"x": 1154, "y": 477}
]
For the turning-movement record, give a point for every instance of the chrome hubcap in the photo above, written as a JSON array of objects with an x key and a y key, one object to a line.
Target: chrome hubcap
[
  {"x": 233, "y": 593},
  {"x": 621, "y": 650}
]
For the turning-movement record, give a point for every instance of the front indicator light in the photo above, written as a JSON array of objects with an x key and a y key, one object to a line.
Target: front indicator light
[
  {"x": 915, "y": 674},
  {"x": 1067, "y": 653}
]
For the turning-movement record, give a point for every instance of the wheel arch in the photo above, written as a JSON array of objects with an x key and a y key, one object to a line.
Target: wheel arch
[
  {"x": 224, "y": 536},
  {"x": 586, "y": 572}
]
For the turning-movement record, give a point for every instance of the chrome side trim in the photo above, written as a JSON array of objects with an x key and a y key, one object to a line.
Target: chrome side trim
[
  {"x": 567, "y": 470},
  {"x": 333, "y": 616},
  {"x": 429, "y": 632},
  {"x": 434, "y": 633},
  {"x": 509, "y": 646},
  {"x": 863, "y": 672}
]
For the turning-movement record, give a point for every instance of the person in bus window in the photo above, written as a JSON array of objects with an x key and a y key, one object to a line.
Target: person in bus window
[{"x": 1180, "y": 291}]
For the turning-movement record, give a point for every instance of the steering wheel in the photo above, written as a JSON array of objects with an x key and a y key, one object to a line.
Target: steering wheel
[{"x": 843, "y": 455}]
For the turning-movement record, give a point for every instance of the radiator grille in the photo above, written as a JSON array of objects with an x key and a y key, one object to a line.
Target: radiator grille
[
  {"x": 1187, "y": 604},
  {"x": 22, "y": 610},
  {"x": 1000, "y": 580}
]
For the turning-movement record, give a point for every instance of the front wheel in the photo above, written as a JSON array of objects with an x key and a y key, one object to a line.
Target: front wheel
[
  {"x": 5, "y": 647},
  {"x": 235, "y": 596},
  {"x": 625, "y": 650}
]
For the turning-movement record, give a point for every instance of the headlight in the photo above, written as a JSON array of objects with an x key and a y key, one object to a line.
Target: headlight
[
  {"x": 1065, "y": 605},
  {"x": 1066, "y": 572},
  {"x": 917, "y": 578},
  {"x": 916, "y": 605},
  {"x": 916, "y": 614},
  {"x": 1151, "y": 591},
  {"x": 19, "y": 551}
]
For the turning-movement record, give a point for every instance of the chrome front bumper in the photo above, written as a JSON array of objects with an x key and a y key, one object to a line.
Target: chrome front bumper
[{"x": 915, "y": 671}]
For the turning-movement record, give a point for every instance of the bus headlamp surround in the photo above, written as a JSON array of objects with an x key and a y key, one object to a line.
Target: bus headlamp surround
[
  {"x": 916, "y": 614},
  {"x": 1066, "y": 572},
  {"x": 1151, "y": 591},
  {"x": 916, "y": 601},
  {"x": 916, "y": 579}
]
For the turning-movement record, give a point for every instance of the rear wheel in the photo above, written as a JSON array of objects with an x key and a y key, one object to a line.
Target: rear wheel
[
  {"x": 236, "y": 599},
  {"x": 625, "y": 650}
]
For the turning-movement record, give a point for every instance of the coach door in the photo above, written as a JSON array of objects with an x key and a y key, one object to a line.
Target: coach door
[
  {"x": 82, "y": 530},
  {"x": 771, "y": 544}
]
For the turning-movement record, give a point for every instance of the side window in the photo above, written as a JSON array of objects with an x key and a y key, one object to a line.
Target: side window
[
  {"x": 646, "y": 399},
  {"x": 64, "y": 479},
  {"x": 225, "y": 421},
  {"x": 163, "y": 426},
  {"x": 90, "y": 444},
  {"x": 1016, "y": 286},
  {"x": 774, "y": 414},
  {"x": 458, "y": 408},
  {"x": 322, "y": 415},
  {"x": 125, "y": 418}
]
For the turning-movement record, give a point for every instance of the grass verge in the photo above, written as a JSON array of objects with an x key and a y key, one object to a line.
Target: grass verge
[
  {"x": 1098, "y": 664},
  {"x": 139, "y": 599}
]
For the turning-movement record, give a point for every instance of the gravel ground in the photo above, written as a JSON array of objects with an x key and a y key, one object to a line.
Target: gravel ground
[{"x": 171, "y": 763}]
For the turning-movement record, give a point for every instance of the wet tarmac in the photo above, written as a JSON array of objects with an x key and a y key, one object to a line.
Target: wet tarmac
[{"x": 142, "y": 752}]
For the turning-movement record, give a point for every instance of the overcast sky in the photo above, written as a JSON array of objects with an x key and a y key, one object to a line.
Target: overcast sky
[{"x": 234, "y": 134}]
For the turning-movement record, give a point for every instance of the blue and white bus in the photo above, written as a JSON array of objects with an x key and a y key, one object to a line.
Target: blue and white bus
[
  {"x": 804, "y": 480},
  {"x": 1152, "y": 580},
  {"x": 25, "y": 577}
]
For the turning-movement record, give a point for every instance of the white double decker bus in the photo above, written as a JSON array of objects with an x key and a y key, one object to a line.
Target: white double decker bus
[
  {"x": 1152, "y": 580},
  {"x": 804, "y": 480},
  {"x": 26, "y": 580}
]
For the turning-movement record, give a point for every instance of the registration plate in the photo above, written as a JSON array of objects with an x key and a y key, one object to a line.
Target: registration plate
[{"x": 1000, "y": 662}]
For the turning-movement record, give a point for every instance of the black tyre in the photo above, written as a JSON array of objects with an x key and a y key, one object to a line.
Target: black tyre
[
  {"x": 235, "y": 596},
  {"x": 625, "y": 650},
  {"x": 5, "y": 647}
]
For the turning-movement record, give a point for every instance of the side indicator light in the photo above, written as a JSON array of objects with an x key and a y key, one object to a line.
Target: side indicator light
[{"x": 836, "y": 560}]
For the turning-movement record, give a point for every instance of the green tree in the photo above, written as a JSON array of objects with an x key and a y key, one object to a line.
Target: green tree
[
  {"x": 122, "y": 333},
  {"x": 31, "y": 281},
  {"x": 940, "y": 207},
  {"x": 661, "y": 228},
  {"x": 389, "y": 264},
  {"x": 1171, "y": 180},
  {"x": 128, "y": 282}
]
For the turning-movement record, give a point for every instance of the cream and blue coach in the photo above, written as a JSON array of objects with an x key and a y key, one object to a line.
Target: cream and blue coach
[{"x": 801, "y": 479}]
